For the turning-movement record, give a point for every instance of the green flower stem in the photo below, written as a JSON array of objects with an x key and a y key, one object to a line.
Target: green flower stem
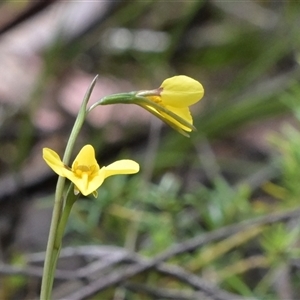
[
  {"x": 114, "y": 99},
  {"x": 52, "y": 252},
  {"x": 70, "y": 200}
]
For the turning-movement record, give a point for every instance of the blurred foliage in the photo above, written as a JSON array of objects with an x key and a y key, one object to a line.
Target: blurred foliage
[{"x": 247, "y": 56}]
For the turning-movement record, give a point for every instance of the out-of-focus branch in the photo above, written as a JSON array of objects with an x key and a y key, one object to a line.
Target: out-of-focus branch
[{"x": 27, "y": 13}]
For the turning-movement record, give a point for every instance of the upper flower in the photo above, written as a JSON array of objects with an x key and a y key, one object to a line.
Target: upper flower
[
  {"x": 85, "y": 173},
  {"x": 171, "y": 101}
]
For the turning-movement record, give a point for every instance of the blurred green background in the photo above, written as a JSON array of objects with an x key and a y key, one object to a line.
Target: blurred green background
[{"x": 241, "y": 164}]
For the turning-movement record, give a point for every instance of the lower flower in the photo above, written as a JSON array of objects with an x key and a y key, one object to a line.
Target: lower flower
[{"x": 85, "y": 172}]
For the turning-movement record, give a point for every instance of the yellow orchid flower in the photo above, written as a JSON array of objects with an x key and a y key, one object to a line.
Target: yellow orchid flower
[
  {"x": 171, "y": 101},
  {"x": 85, "y": 173}
]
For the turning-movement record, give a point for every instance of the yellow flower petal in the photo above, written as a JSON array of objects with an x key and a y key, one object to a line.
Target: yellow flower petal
[
  {"x": 85, "y": 184},
  {"x": 182, "y": 112},
  {"x": 181, "y": 91},
  {"x": 86, "y": 157},
  {"x": 124, "y": 166},
  {"x": 95, "y": 182},
  {"x": 54, "y": 162}
]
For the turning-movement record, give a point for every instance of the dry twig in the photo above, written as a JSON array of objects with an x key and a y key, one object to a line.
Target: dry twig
[{"x": 107, "y": 257}]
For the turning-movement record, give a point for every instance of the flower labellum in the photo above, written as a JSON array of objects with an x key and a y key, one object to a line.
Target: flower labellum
[{"x": 85, "y": 173}]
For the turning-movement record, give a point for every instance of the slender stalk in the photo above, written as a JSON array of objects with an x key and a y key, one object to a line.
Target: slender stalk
[
  {"x": 70, "y": 200},
  {"x": 52, "y": 251},
  {"x": 114, "y": 99},
  {"x": 47, "y": 279}
]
